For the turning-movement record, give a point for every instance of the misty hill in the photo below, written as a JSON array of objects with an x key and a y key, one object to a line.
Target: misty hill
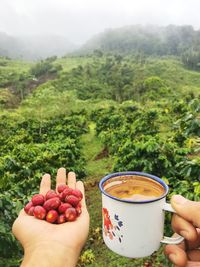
[
  {"x": 10, "y": 46},
  {"x": 34, "y": 47},
  {"x": 150, "y": 40}
]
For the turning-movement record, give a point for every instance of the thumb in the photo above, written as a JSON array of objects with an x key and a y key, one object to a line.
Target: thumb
[{"x": 187, "y": 209}]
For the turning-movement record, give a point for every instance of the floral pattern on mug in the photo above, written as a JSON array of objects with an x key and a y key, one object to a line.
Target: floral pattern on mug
[{"x": 113, "y": 227}]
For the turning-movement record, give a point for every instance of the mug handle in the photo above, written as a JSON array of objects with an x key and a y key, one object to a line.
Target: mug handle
[{"x": 171, "y": 240}]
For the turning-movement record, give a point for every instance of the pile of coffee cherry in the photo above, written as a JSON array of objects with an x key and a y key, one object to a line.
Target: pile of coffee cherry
[{"x": 56, "y": 207}]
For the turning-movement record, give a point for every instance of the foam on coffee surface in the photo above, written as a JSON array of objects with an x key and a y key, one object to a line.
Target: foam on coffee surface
[{"x": 134, "y": 188}]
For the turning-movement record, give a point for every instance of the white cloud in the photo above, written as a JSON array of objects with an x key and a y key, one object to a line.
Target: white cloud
[{"x": 79, "y": 19}]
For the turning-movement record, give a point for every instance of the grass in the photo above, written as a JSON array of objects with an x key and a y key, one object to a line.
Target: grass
[
  {"x": 11, "y": 71},
  {"x": 16, "y": 65},
  {"x": 68, "y": 63},
  {"x": 174, "y": 73},
  {"x": 92, "y": 148}
]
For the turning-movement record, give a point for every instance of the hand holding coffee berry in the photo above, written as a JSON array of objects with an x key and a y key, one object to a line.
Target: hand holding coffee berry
[{"x": 54, "y": 225}]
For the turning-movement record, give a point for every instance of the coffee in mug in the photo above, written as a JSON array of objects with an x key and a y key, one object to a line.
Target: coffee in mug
[{"x": 134, "y": 188}]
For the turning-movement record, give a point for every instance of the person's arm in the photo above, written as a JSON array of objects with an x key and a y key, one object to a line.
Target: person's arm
[
  {"x": 51, "y": 256},
  {"x": 186, "y": 223},
  {"x": 53, "y": 245}
]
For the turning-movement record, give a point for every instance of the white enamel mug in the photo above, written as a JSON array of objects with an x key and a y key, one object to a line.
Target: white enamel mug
[{"x": 135, "y": 229}]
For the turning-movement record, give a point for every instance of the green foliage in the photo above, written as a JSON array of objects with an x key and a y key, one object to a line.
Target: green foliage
[
  {"x": 108, "y": 78},
  {"x": 10, "y": 71},
  {"x": 87, "y": 257},
  {"x": 191, "y": 59},
  {"x": 136, "y": 140},
  {"x": 153, "y": 83},
  {"x": 189, "y": 168},
  {"x": 45, "y": 67},
  {"x": 150, "y": 154},
  {"x": 9, "y": 208},
  {"x": 189, "y": 122},
  {"x": 33, "y": 146},
  {"x": 154, "y": 87},
  {"x": 7, "y": 99},
  {"x": 116, "y": 126}
]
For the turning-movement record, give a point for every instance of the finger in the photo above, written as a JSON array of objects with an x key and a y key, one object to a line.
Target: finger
[
  {"x": 71, "y": 180},
  {"x": 195, "y": 243},
  {"x": 189, "y": 245},
  {"x": 61, "y": 177},
  {"x": 192, "y": 264},
  {"x": 184, "y": 228},
  {"x": 45, "y": 184},
  {"x": 176, "y": 255},
  {"x": 189, "y": 210},
  {"x": 80, "y": 186},
  {"x": 194, "y": 255}
]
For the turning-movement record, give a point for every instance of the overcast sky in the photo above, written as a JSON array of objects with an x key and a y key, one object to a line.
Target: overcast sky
[{"x": 80, "y": 19}]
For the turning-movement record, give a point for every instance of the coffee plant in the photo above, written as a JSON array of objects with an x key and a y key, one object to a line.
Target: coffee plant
[{"x": 136, "y": 139}]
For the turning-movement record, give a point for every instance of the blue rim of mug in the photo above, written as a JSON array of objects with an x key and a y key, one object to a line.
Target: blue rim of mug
[{"x": 157, "y": 179}]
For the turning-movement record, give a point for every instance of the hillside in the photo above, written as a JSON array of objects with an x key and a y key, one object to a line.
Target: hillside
[
  {"x": 97, "y": 78},
  {"x": 95, "y": 115}
]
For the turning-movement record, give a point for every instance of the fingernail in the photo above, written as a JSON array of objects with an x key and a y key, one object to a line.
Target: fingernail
[
  {"x": 172, "y": 257},
  {"x": 179, "y": 199}
]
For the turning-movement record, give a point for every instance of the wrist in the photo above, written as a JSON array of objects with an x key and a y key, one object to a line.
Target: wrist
[{"x": 50, "y": 255}]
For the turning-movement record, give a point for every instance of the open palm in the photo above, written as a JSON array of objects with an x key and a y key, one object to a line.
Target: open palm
[{"x": 33, "y": 233}]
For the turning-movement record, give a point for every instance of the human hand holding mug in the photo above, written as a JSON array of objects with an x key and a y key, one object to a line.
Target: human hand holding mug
[
  {"x": 186, "y": 222},
  {"x": 133, "y": 213}
]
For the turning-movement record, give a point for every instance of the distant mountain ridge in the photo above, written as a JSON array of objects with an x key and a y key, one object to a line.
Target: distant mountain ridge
[
  {"x": 150, "y": 40},
  {"x": 34, "y": 47}
]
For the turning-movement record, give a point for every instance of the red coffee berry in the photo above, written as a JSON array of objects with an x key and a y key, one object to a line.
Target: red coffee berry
[
  {"x": 72, "y": 200},
  {"x": 78, "y": 209},
  {"x": 63, "y": 207},
  {"x": 60, "y": 195},
  {"x": 30, "y": 211},
  {"x": 61, "y": 188},
  {"x": 28, "y": 206},
  {"x": 77, "y": 193},
  {"x": 39, "y": 212},
  {"x": 37, "y": 199},
  {"x": 52, "y": 216},
  {"x": 70, "y": 215},
  {"x": 52, "y": 203},
  {"x": 65, "y": 193},
  {"x": 61, "y": 219},
  {"x": 51, "y": 194}
]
